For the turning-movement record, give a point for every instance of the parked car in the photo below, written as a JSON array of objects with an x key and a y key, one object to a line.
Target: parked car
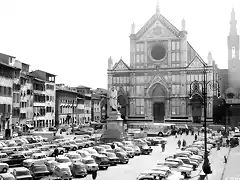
[
  {"x": 78, "y": 169},
  {"x": 22, "y": 173},
  {"x": 90, "y": 164},
  {"x": 62, "y": 171},
  {"x": 123, "y": 158},
  {"x": 7, "y": 176},
  {"x": 101, "y": 160},
  {"x": 4, "y": 167},
  {"x": 15, "y": 160},
  {"x": 39, "y": 171}
]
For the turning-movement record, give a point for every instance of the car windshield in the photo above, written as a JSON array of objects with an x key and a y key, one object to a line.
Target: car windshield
[
  {"x": 85, "y": 154},
  {"x": 40, "y": 168},
  {"x": 128, "y": 149},
  {"x": 39, "y": 157},
  {"x": 111, "y": 155},
  {"x": 20, "y": 149},
  {"x": 65, "y": 169},
  {"x": 74, "y": 156},
  {"x": 72, "y": 142},
  {"x": 67, "y": 143},
  {"x": 100, "y": 149},
  {"x": 119, "y": 150},
  {"x": 63, "y": 160},
  {"x": 91, "y": 161},
  {"x": 107, "y": 147},
  {"x": 45, "y": 149},
  {"x": 104, "y": 159},
  {"x": 22, "y": 173},
  {"x": 79, "y": 141},
  {"x": 4, "y": 156}
]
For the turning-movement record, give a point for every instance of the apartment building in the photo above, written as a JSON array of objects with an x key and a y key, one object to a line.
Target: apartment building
[
  {"x": 87, "y": 92},
  {"x": 44, "y": 99},
  {"x": 66, "y": 105},
  {"x": 7, "y": 75},
  {"x": 80, "y": 109},
  {"x": 96, "y": 107}
]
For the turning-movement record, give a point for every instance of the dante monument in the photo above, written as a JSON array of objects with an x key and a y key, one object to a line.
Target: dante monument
[{"x": 114, "y": 126}]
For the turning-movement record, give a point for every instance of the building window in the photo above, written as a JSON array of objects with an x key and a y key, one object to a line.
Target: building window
[
  {"x": 177, "y": 56},
  {"x": 139, "y": 106},
  {"x": 137, "y": 58},
  {"x": 209, "y": 109},
  {"x": 137, "y": 47},
  {"x": 175, "y": 106},
  {"x": 173, "y": 45},
  {"x": 173, "y": 57}
]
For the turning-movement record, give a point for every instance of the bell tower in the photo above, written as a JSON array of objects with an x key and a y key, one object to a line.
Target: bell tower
[
  {"x": 233, "y": 39},
  {"x": 233, "y": 53}
]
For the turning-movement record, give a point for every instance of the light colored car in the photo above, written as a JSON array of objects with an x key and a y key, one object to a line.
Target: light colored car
[
  {"x": 4, "y": 167},
  {"x": 51, "y": 165},
  {"x": 45, "y": 149},
  {"x": 180, "y": 162},
  {"x": 3, "y": 157},
  {"x": 7, "y": 176},
  {"x": 37, "y": 158},
  {"x": 62, "y": 171},
  {"x": 162, "y": 174},
  {"x": 90, "y": 164},
  {"x": 22, "y": 173},
  {"x": 130, "y": 151},
  {"x": 91, "y": 151},
  {"x": 61, "y": 159},
  {"x": 73, "y": 156},
  {"x": 171, "y": 175},
  {"x": 83, "y": 154}
]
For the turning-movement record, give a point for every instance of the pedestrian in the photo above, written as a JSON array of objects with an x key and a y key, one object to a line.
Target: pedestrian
[
  {"x": 113, "y": 146},
  {"x": 184, "y": 143},
  {"x": 225, "y": 159},
  {"x": 198, "y": 132},
  {"x": 195, "y": 137},
  {"x": 56, "y": 152},
  {"x": 163, "y": 147},
  {"x": 176, "y": 135},
  {"x": 179, "y": 143},
  {"x": 94, "y": 175}
]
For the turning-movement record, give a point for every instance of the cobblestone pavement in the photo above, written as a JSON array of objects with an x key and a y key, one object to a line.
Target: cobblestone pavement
[{"x": 232, "y": 170}]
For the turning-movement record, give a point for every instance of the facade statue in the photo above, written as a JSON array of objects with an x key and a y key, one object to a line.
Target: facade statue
[{"x": 113, "y": 99}]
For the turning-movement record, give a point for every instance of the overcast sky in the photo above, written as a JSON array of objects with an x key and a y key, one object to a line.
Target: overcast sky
[{"x": 74, "y": 38}]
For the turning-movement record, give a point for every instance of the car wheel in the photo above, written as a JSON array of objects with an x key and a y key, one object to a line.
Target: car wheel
[
  {"x": 61, "y": 152},
  {"x": 74, "y": 149},
  {"x": 160, "y": 134},
  {"x": 4, "y": 170},
  {"x": 80, "y": 147},
  {"x": 86, "y": 146}
]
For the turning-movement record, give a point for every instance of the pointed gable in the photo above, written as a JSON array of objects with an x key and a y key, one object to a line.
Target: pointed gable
[
  {"x": 120, "y": 66},
  {"x": 158, "y": 79},
  {"x": 162, "y": 27},
  {"x": 196, "y": 62}
]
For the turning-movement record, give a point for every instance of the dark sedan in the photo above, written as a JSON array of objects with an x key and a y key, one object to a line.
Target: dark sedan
[
  {"x": 101, "y": 160},
  {"x": 15, "y": 160},
  {"x": 39, "y": 171},
  {"x": 113, "y": 159},
  {"x": 123, "y": 158}
]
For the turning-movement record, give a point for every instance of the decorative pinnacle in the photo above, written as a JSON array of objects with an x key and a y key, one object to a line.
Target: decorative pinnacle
[{"x": 157, "y": 7}]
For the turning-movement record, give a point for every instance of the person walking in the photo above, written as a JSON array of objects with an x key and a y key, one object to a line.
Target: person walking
[
  {"x": 179, "y": 143},
  {"x": 184, "y": 143},
  {"x": 94, "y": 175},
  {"x": 195, "y": 137},
  {"x": 56, "y": 152},
  {"x": 163, "y": 147}
]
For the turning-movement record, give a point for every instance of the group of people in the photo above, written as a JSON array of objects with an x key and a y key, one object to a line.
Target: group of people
[{"x": 181, "y": 143}]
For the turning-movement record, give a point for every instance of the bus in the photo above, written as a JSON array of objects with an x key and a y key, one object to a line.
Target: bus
[{"x": 152, "y": 129}]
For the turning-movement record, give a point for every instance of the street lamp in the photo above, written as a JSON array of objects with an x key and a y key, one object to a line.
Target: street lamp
[{"x": 199, "y": 89}]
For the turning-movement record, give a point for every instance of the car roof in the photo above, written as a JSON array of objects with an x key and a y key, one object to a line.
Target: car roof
[
  {"x": 61, "y": 157},
  {"x": 21, "y": 169},
  {"x": 62, "y": 165}
]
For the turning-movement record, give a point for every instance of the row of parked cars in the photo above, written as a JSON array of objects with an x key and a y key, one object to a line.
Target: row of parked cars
[
  {"x": 181, "y": 164},
  {"x": 76, "y": 157}
]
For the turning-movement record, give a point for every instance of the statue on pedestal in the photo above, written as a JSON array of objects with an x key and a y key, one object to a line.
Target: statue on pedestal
[{"x": 113, "y": 99}]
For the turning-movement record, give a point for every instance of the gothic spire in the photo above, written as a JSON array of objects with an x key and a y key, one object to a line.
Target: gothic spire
[
  {"x": 233, "y": 23},
  {"x": 157, "y": 7}
]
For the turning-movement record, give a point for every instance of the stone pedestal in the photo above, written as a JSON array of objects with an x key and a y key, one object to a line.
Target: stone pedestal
[{"x": 115, "y": 128}]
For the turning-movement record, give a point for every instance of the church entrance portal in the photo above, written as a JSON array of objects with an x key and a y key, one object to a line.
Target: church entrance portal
[
  {"x": 158, "y": 112},
  {"x": 158, "y": 103}
]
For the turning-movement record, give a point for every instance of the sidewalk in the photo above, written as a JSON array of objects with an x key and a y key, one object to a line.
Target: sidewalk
[
  {"x": 232, "y": 169},
  {"x": 217, "y": 164},
  {"x": 216, "y": 159}
]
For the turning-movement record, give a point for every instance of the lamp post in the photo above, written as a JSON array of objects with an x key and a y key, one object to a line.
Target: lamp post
[{"x": 200, "y": 89}]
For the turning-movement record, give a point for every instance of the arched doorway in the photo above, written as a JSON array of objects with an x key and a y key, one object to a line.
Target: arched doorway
[
  {"x": 158, "y": 99},
  {"x": 123, "y": 103},
  {"x": 196, "y": 102}
]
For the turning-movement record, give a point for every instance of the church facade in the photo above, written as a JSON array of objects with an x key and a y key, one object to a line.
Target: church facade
[{"x": 155, "y": 87}]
